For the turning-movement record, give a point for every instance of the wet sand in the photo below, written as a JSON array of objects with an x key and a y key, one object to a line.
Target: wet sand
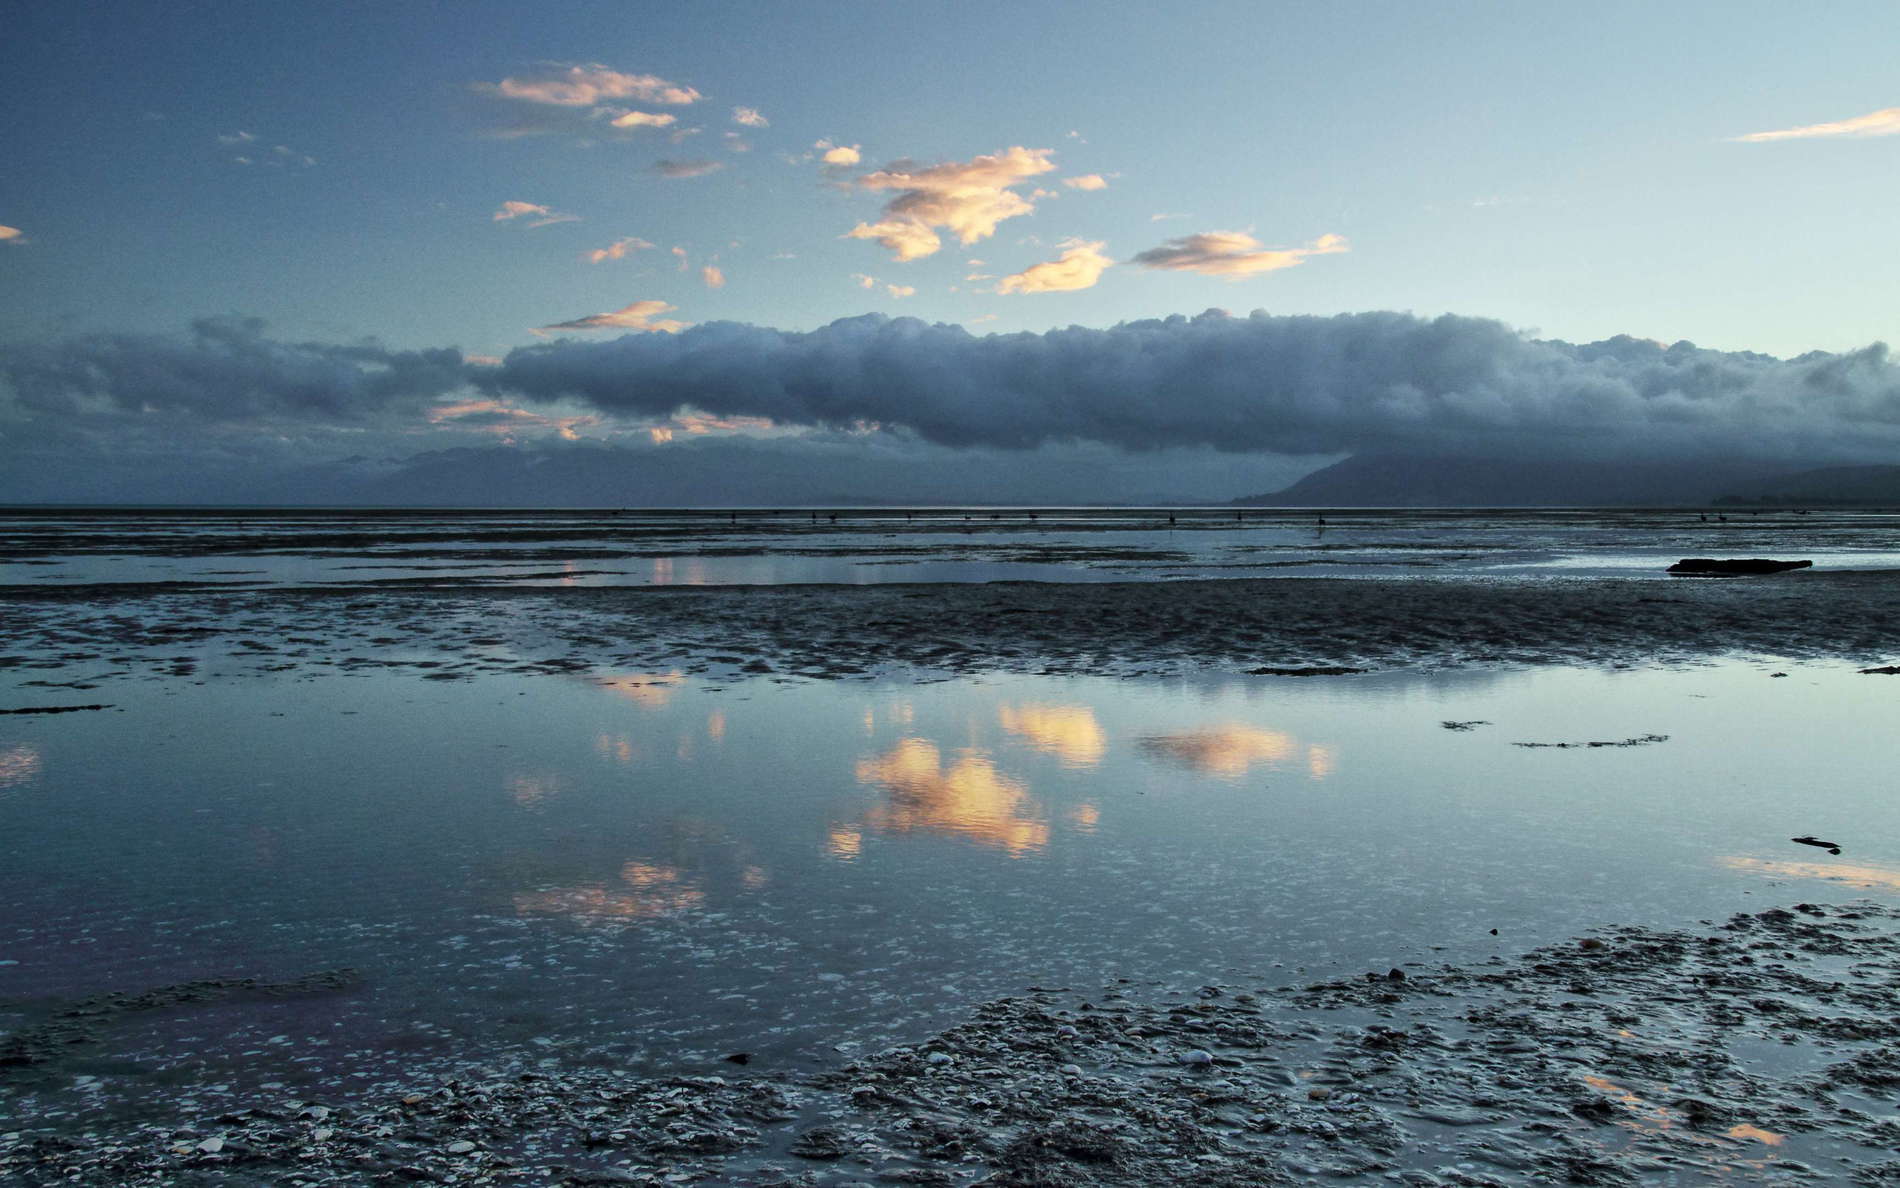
[
  {"x": 1765, "y": 1049},
  {"x": 80, "y": 638}
]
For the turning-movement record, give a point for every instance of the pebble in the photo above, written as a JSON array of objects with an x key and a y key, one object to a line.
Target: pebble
[
  {"x": 1197, "y": 1057},
  {"x": 459, "y": 1147}
]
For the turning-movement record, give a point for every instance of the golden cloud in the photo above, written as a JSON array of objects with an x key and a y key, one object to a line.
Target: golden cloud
[
  {"x": 1088, "y": 181},
  {"x": 969, "y": 198},
  {"x": 1233, "y": 254},
  {"x": 618, "y": 249},
  {"x": 640, "y": 316},
  {"x": 546, "y": 217},
  {"x": 1077, "y": 268},
  {"x": 586, "y": 85},
  {"x": 644, "y": 119},
  {"x": 1885, "y": 122},
  {"x": 713, "y": 276},
  {"x": 750, "y": 117}
]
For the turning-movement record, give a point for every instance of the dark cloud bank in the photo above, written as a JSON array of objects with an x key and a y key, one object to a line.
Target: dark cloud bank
[{"x": 1109, "y": 413}]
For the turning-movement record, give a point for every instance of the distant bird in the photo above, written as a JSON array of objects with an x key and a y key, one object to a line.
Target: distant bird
[{"x": 1808, "y": 839}]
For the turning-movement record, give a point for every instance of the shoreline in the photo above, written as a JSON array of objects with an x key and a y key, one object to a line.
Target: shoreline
[
  {"x": 87, "y": 637},
  {"x": 1732, "y": 1051}
]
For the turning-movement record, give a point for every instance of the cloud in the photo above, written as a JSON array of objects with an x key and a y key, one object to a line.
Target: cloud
[
  {"x": 968, "y": 198},
  {"x": 1885, "y": 122},
  {"x": 562, "y": 85},
  {"x": 714, "y": 278},
  {"x": 236, "y": 138},
  {"x": 226, "y": 369},
  {"x": 838, "y": 154},
  {"x": 1088, "y": 181},
  {"x": 687, "y": 168},
  {"x": 619, "y": 249},
  {"x": 638, "y": 316},
  {"x": 901, "y": 290},
  {"x": 1232, "y": 254},
  {"x": 871, "y": 282},
  {"x": 1286, "y": 385},
  {"x": 494, "y": 417},
  {"x": 736, "y": 142},
  {"x": 11, "y": 234},
  {"x": 280, "y": 155},
  {"x": 750, "y": 117},
  {"x": 1079, "y": 267},
  {"x": 643, "y": 119},
  {"x": 542, "y": 216}
]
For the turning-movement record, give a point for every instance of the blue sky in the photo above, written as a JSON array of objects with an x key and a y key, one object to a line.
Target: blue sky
[{"x": 336, "y": 170}]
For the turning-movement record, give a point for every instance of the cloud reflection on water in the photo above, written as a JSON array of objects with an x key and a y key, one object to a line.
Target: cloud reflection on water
[
  {"x": 968, "y": 799},
  {"x": 1231, "y": 751},
  {"x": 1879, "y": 878},
  {"x": 1069, "y": 732},
  {"x": 19, "y": 765}
]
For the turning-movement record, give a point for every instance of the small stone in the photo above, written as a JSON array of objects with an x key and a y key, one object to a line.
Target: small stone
[
  {"x": 321, "y": 1134},
  {"x": 1071, "y": 1070},
  {"x": 459, "y": 1147},
  {"x": 1197, "y": 1058},
  {"x": 1318, "y": 1093},
  {"x": 211, "y": 1146},
  {"x": 938, "y": 1058}
]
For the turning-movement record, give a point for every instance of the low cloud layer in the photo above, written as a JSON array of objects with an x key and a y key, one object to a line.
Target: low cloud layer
[
  {"x": 121, "y": 413},
  {"x": 1289, "y": 385}
]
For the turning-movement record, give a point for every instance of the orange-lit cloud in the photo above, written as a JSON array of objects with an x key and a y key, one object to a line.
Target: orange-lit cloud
[
  {"x": 543, "y": 216},
  {"x": 640, "y": 316},
  {"x": 11, "y": 234},
  {"x": 968, "y": 198},
  {"x": 586, "y": 85},
  {"x": 713, "y": 276},
  {"x": 750, "y": 117},
  {"x": 1088, "y": 181},
  {"x": 1233, "y": 254},
  {"x": 1226, "y": 751},
  {"x": 969, "y": 799},
  {"x": 838, "y": 154},
  {"x": 1885, "y": 122},
  {"x": 871, "y": 282},
  {"x": 659, "y": 435},
  {"x": 1069, "y": 732},
  {"x": 1079, "y": 267},
  {"x": 619, "y": 249},
  {"x": 643, "y": 119},
  {"x": 492, "y": 416}
]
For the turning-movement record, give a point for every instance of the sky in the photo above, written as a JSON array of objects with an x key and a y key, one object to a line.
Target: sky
[{"x": 817, "y": 247}]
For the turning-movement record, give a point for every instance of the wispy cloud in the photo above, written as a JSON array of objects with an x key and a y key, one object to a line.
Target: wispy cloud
[
  {"x": 693, "y": 168},
  {"x": 11, "y": 234},
  {"x": 619, "y": 249},
  {"x": 564, "y": 85},
  {"x": 541, "y": 216},
  {"x": 1233, "y": 254},
  {"x": 1088, "y": 181},
  {"x": 871, "y": 282},
  {"x": 714, "y": 276},
  {"x": 233, "y": 139},
  {"x": 643, "y": 119},
  {"x": 1079, "y": 267},
  {"x": 1885, "y": 122},
  {"x": 278, "y": 155},
  {"x": 750, "y": 117},
  {"x": 641, "y": 315},
  {"x": 502, "y": 420},
  {"x": 968, "y": 198}
]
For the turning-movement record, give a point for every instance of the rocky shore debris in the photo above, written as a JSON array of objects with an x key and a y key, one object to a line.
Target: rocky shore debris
[
  {"x": 54, "y": 709},
  {"x": 1641, "y": 740},
  {"x": 1733, "y": 566},
  {"x": 1763, "y": 1049},
  {"x": 1808, "y": 839}
]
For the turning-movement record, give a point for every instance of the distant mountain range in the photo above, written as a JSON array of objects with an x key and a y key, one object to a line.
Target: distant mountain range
[{"x": 1403, "y": 480}]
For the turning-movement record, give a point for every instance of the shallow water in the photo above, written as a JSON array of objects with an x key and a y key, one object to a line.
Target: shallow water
[
  {"x": 651, "y": 870},
  {"x": 861, "y": 546}
]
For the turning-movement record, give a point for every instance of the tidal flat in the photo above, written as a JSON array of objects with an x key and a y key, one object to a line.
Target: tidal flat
[{"x": 1438, "y": 881}]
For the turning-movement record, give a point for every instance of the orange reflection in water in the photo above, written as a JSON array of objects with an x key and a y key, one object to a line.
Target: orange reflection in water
[
  {"x": 19, "y": 765},
  {"x": 651, "y": 890},
  {"x": 1881, "y": 878},
  {"x": 646, "y": 690},
  {"x": 970, "y": 798},
  {"x": 1069, "y": 732},
  {"x": 617, "y": 747},
  {"x": 531, "y": 792},
  {"x": 716, "y": 725},
  {"x": 1231, "y": 751}
]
